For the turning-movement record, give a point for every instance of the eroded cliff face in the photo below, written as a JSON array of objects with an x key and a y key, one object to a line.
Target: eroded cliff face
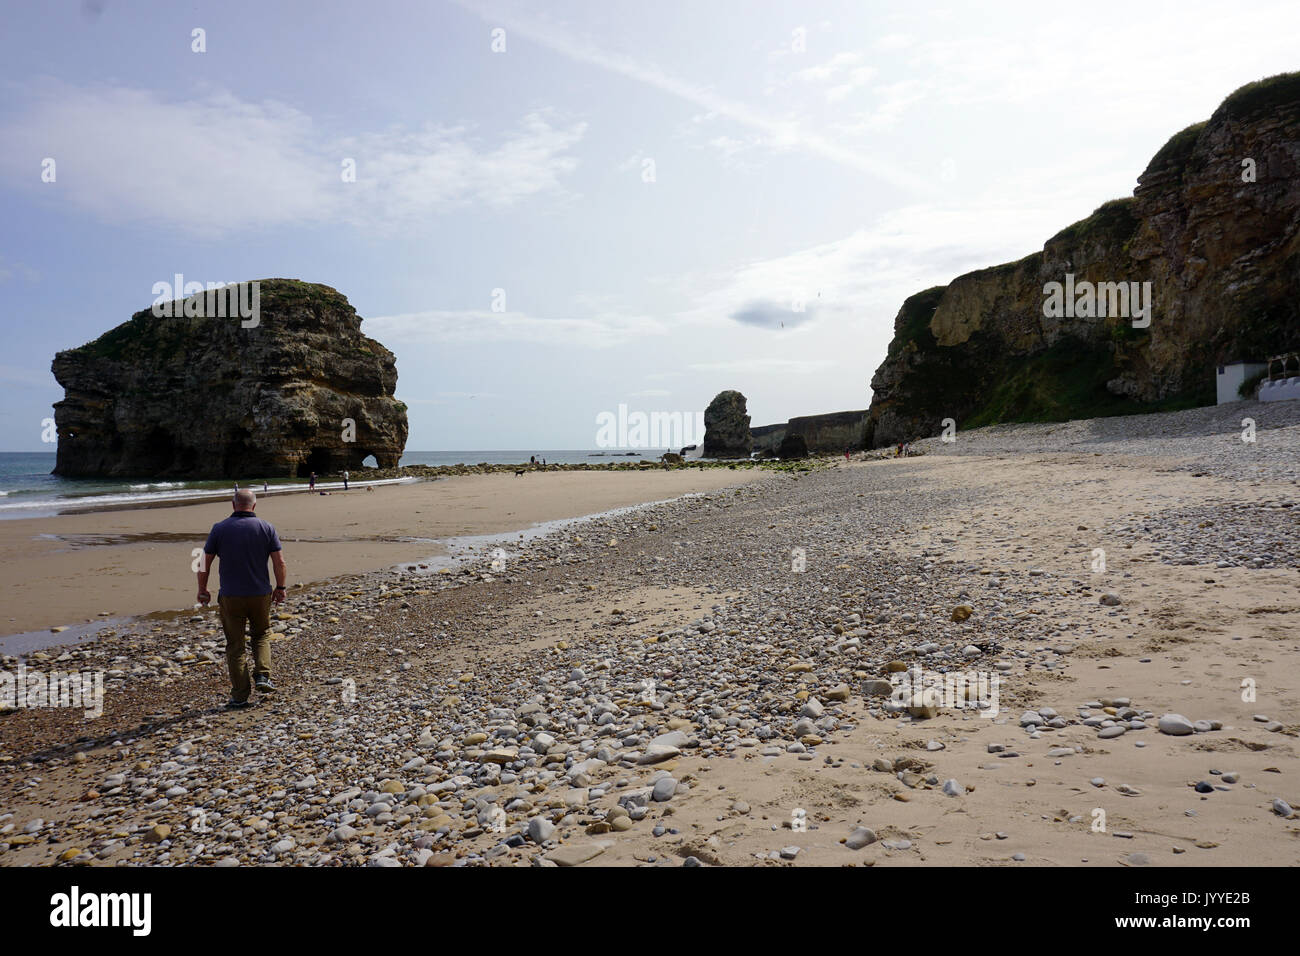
[
  {"x": 205, "y": 397},
  {"x": 1221, "y": 254}
]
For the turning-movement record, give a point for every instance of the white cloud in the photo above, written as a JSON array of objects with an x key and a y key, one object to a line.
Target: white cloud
[
  {"x": 763, "y": 365},
  {"x": 894, "y": 41},
  {"x": 10, "y": 268},
  {"x": 436, "y": 326},
  {"x": 893, "y": 100},
  {"x": 824, "y": 72},
  {"x": 217, "y": 164},
  {"x": 840, "y": 75}
]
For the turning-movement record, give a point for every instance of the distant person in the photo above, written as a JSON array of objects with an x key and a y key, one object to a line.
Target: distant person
[
  {"x": 264, "y": 488},
  {"x": 345, "y": 481},
  {"x": 846, "y": 454},
  {"x": 532, "y": 459},
  {"x": 243, "y": 542},
  {"x": 311, "y": 483}
]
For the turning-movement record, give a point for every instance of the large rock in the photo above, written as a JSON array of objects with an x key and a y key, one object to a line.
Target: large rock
[
  {"x": 209, "y": 397},
  {"x": 793, "y": 446},
  {"x": 1220, "y": 254},
  {"x": 726, "y": 427},
  {"x": 575, "y": 854}
]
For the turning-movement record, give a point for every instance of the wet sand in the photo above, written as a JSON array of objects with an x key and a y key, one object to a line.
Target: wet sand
[{"x": 70, "y": 569}]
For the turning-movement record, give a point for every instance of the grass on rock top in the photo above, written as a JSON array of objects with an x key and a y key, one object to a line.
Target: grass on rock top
[
  {"x": 1278, "y": 95},
  {"x": 1113, "y": 220}
]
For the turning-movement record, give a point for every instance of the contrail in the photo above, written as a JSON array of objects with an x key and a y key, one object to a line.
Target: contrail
[{"x": 781, "y": 132}]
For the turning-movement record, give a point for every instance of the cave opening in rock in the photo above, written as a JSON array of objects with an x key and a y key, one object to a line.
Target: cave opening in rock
[
  {"x": 369, "y": 462},
  {"x": 187, "y": 460},
  {"x": 159, "y": 451},
  {"x": 318, "y": 461}
]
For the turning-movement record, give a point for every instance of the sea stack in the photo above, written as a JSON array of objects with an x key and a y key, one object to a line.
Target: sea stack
[
  {"x": 726, "y": 427},
  {"x": 294, "y": 389}
]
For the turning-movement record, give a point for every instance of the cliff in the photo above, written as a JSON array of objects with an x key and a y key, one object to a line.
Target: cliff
[
  {"x": 767, "y": 438},
  {"x": 827, "y": 434},
  {"x": 1216, "y": 237},
  {"x": 210, "y": 397}
]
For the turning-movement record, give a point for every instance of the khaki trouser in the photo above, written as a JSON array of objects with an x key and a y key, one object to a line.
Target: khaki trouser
[{"x": 256, "y": 611}]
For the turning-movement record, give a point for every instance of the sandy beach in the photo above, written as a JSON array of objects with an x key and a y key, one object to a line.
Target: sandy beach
[
  {"x": 74, "y": 568},
  {"x": 670, "y": 686}
]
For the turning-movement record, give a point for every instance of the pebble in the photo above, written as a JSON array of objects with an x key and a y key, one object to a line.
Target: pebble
[
  {"x": 1175, "y": 725},
  {"x": 574, "y": 854},
  {"x": 461, "y": 734},
  {"x": 540, "y": 829},
  {"x": 860, "y": 837},
  {"x": 664, "y": 789}
]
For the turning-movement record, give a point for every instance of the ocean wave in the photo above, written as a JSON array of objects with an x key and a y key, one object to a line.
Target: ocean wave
[{"x": 176, "y": 492}]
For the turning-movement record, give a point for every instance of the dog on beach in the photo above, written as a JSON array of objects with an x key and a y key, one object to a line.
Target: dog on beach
[{"x": 519, "y": 472}]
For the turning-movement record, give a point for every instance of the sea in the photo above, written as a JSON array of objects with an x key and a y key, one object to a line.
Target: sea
[{"x": 28, "y": 490}]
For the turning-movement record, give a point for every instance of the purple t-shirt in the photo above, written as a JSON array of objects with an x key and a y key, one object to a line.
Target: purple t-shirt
[{"x": 243, "y": 542}]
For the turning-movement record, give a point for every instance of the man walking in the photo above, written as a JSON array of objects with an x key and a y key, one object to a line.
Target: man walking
[
  {"x": 345, "y": 481},
  {"x": 243, "y": 542}
]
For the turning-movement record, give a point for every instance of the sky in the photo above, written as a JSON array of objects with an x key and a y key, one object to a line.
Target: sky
[{"x": 566, "y": 207}]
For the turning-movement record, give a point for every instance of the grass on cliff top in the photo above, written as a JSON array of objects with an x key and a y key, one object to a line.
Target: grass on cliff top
[
  {"x": 295, "y": 290},
  {"x": 141, "y": 332},
  {"x": 1174, "y": 154},
  {"x": 1280, "y": 93},
  {"x": 127, "y": 338},
  {"x": 1113, "y": 220},
  {"x": 1065, "y": 382}
]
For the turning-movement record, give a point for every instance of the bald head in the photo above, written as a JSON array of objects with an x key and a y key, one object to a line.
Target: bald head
[{"x": 244, "y": 500}]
